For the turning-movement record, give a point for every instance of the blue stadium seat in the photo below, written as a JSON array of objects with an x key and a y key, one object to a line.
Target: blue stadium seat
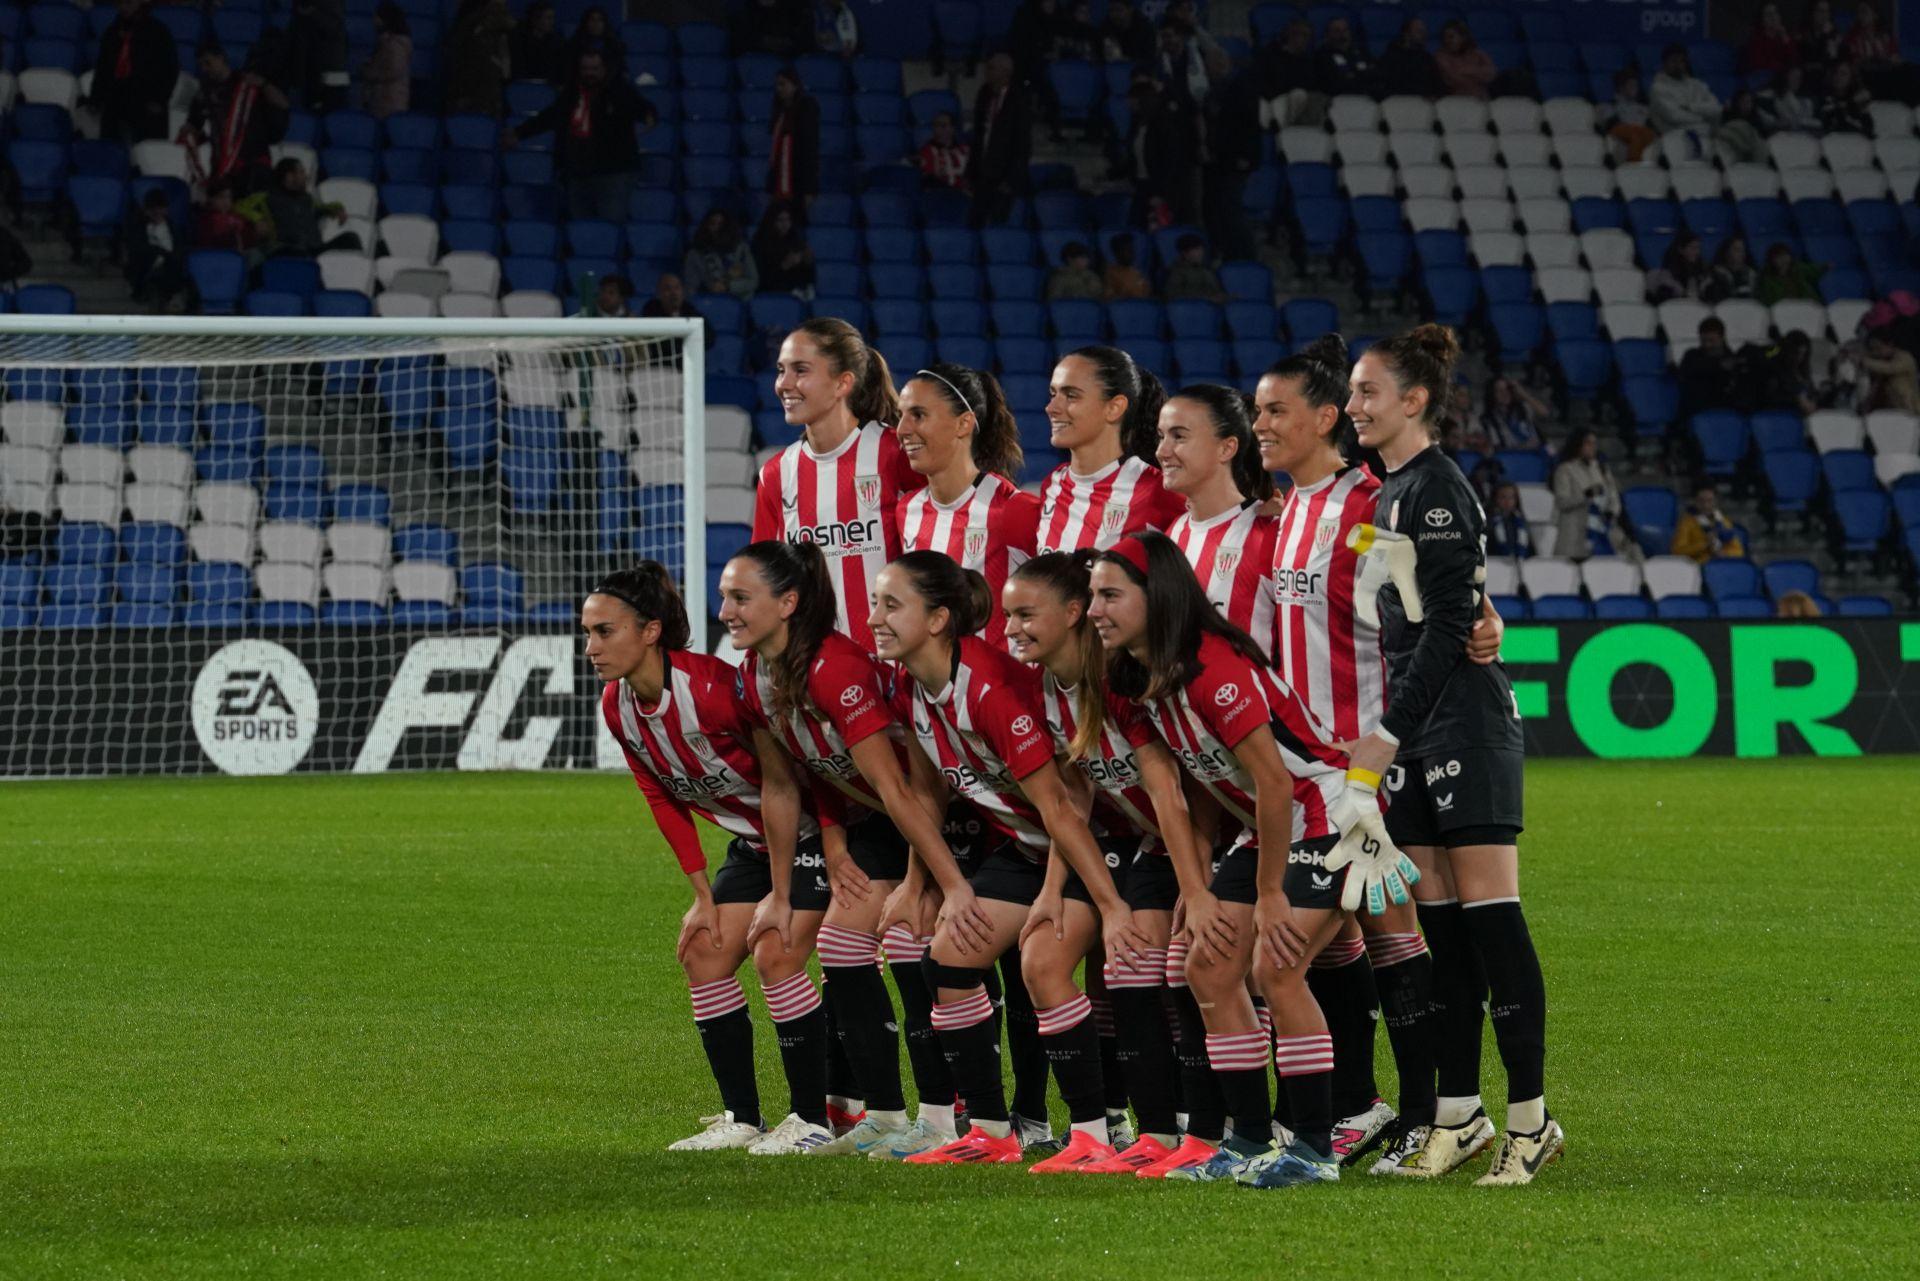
[
  {"x": 1653, "y": 403},
  {"x": 146, "y": 584},
  {"x": 1574, "y": 320},
  {"x": 1017, "y": 318},
  {"x": 779, "y": 313},
  {"x": 1011, "y": 281},
  {"x": 1077, "y": 316},
  {"x": 1560, "y": 609},
  {"x": 1682, "y": 607},
  {"x": 966, "y": 349},
  {"x": 1252, "y": 320},
  {"x": 1386, "y": 256},
  {"x": 1742, "y": 607},
  {"x": 1503, "y": 285},
  {"x": 1440, "y": 248},
  {"x": 961, "y": 317},
  {"x": 899, "y": 317},
  {"x": 1134, "y": 319},
  {"x": 1511, "y": 608},
  {"x": 1031, "y": 355},
  {"x": 1653, "y": 511},
  {"x": 1591, "y": 213},
  {"x": 1373, "y": 213},
  {"x": 426, "y": 541},
  {"x": 1585, "y": 363},
  {"x": 1518, "y": 328},
  {"x": 220, "y": 276},
  {"x": 65, "y": 617},
  {"x": 1775, "y": 429},
  {"x": 1077, "y": 87},
  {"x": 1308, "y": 318},
  {"x": 1525, "y": 466},
  {"x": 1848, "y": 469},
  {"x": 360, "y": 502},
  {"x": 153, "y": 543},
  {"x": 1622, "y": 607},
  {"x": 1783, "y": 576},
  {"x": 1863, "y": 517},
  {"x": 1452, "y": 293},
  {"x": 1323, "y": 224},
  {"x": 955, "y": 280},
  {"x": 81, "y": 542},
  {"x": 1865, "y": 607},
  {"x": 44, "y": 300},
  {"x": 1793, "y": 478},
  {"x": 1726, "y": 577},
  {"x": 1723, "y": 437},
  {"x": 268, "y": 302},
  {"x": 1190, "y": 318},
  {"x": 71, "y": 585}
]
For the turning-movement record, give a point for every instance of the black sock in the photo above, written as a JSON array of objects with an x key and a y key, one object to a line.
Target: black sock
[
  {"x": 1023, "y": 1043},
  {"x": 1347, "y": 997},
  {"x": 1206, "y": 1106},
  {"x": 1116, "y": 1081},
  {"x": 932, "y": 1079},
  {"x": 857, "y": 999},
  {"x": 1406, "y": 998},
  {"x": 1146, "y": 1057},
  {"x": 728, "y": 1041},
  {"x": 1518, "y": 995},
  {"x": 1072, "y": 1045},
  {"x": 1459, "y": 987},
  {"x": 1310, "y": 1098},
  {"x": 970, "y": 1036},
  {"x": 800, "y": 1028},
  {"x": 842, "y": 1081}
]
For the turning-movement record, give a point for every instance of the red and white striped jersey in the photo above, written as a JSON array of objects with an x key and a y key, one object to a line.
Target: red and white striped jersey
[
  {"x": 692, "y": 753},
  {"x": 1228, "y": 700},
  {"x": 1113, "y": 767},
  {"x": 1097, "y": 511},
  {"x": 991, "y": 528},
  {"x": 847, "y": 502},
  {"x": 846, "y": 704},
  {"x": 1232, "y": 555},
  {"x": 984, "y": 732},
  {"x": 1327, "y": 655}
]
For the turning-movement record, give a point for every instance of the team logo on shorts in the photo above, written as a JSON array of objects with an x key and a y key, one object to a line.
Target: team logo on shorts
[
  {"x": 867, "y": 490},
  {"x": 1022, "y": 726},
  {"x": 1324, "y": 533},
  {"x": 1226, "y": 694},
  {"x": 1113, "y": 520},
  {"x": 975, "y": 546},
  {"x": 851, "y": 696}
]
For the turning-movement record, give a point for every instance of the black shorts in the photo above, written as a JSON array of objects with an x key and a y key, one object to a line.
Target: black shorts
[
  {"x": 1141, "y": 872},
  {"x": 745, "y": 876},
  {"x": 1470, "y": 797},
  {"x": 1308, "y": 883},
  {"x": 1236, "y": 874},
  {"x": 1006, "y": 874},
  {"x": 966, "y": 833},
  {"x": 877, "y": 848}
]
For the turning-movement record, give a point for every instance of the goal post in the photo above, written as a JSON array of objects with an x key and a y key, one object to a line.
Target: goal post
[{"x": 255, "y": 545}]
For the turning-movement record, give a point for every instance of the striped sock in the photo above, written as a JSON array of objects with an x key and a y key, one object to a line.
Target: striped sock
[
  {"x": 1341, "y": 980},
  {"x": 1073, "y": 1048},
  {"x": 800, "y": 1028},
  {"x": 969, "y": 1034},
  {"x": 1239, "y": 1062},
  {"x": 863, "y": 1013},
  {"x": 1305, "y": 1064}
]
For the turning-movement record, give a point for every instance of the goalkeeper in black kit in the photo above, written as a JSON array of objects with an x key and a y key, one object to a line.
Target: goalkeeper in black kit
[{"x": 1451, "y": 753}]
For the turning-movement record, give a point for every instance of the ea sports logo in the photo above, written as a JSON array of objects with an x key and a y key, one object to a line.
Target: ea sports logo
[
  {"x": 1226, "y": 694},
  {"x": 1022, "y": 726},
  {"x": 255, "y": 708},
  {"x": 1439, "y": 517},
  {"x": 851, "y": 695}
]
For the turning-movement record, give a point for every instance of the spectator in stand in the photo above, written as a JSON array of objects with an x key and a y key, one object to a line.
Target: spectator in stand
[
  {"x": 1844, "y": 108},
  {"x": 536, "y": 49},
  {"x": 1785, "y": 107},
  {"x": 1739, "y": 136},
  {"x": 1796, "y": 605},
  {"x": 1786, "y": 379},
  {"x": 1703, "y": 532},
  {"x": 1164, "y": 150},
  {"x": 1507, "y": 531},
  {"x": 1289, "y": 81},
  {"x": 781, "y": 253},
  {"x": 318, "y": 35},
  {"x": 1075, "y": 276},
  {"x": 1678, "y": 98},
  {"x": 1893, "y": 375},
  {"x": 1819, "y": 41},
  {"x": 1709, "y": 373},
  {"x": 217, "y": 225},
  {"x": 1733, "y": 273},
  {"x": 1234, "y": 149},
  {"x": 1682, "y": 273},
  {"x": 157, "y": 257},
  {"x": 610, "y": 298},
  {"x": 1183, "y": 16},
  {"x": 1771, "y": 47},
  {"x": 1002, "y": 142},
  {"x": 1466, "y": 70},
  {"x": 1125, "y": 35},
  {"x": 1031, "y": 38},
  {"x": 1121, "y": 277},
  {"x": 1191, "y": 275},
  {"x": 134, "y": 74},
  {"x": 386, "y": 77},
  {"x": 594, "y": 119},
  {"x": 1784, "y": 276},
  {"x": 476, "y": 64},
  {"x": 1181, "y": 68},
  {"x": 1078, "y": 37},
  {"x": 240, "y": 115},
  {"x": 1626, "y": 119},
  {"x": 719, "y": 260},
  {"x": 1512, "y": 417},
  {"x": 296, "y": 216},
  {"x": 596, "y": 35},
  {"x": 1869, "y": 46},
  {"x": 1586, "y": 500},
  {"x": 835, "y": 29},
  {"x": 943, "y": 158},
  {"x": 793, "y": 158},
  {"x": 1344, "y": 66},
  {"x": 670, "y": 299},
  {"x": 1406, "y": 66}
]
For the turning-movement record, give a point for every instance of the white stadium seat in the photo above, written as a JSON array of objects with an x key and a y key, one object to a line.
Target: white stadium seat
[
  {"x": 1414, "y": 148},
  {"x": 1752, "y": 182},
  {"x": 1352, "y": 111},
  {"x": 1581, "y": 151},
  {"x": 469, "y": 306},
  {"x": 1860, "y": 184},
  {"x": 1746, "y": 321},
  {"x": 1368, "y": 180},
  {"x": 33, "y": 422},
  {"x": 1534, "y": 182},
  {"x": 1511, "y": 115},
  {"x": 1553, "y": 249},
  {"x": 1503, "y": 576},
  {"x": 227, "y": 503},
  {"x": 1832, "y": 429},
  {"x": 225, "y": 543},
  {"x": 1566, "y": 116},
  {"x": 1894, "y": 431},
  {"x": 1671, "y": 576},
  {"x": 149, "y": 501},
  {"x": 1353, "y": 146},
  {"x": 1457, "y": 113},
  {"x": 728, "y": 427},
  {"x": 1643, "y": 181},
  {"x": 1432, "y": 215},
  {"x": 730, "y": 506},
  {"x": 1804, "y": 314},
  {"x": 1487, "y": 215},
  {"x": 1888, "y": 468},
  {"x": 346, "y": 580},
  {"x": 346, "y": 269},
  {"x": 729, "y": 468},
  {"x": 359, "y": 541},
  {"x": 1607, "y": 247},
  {"x": 530, "y": 304},
  {"x": 1498, "y": 248},
  {"x": 290, "y": 542},
  {"x": 1845, "y": 315},
  {"x": 1629, "y": 319},
  {"x": 1405, "y": 111},
  {"x": 1427, "y": 181},
  {"x": 1891, "y": 119},
  {"x": 1527, "y": 149},
  {"x": 1581, "y": 181},
  {"x": 356, "y": 195},
  {"x": 277, "y": 581},
  {"x": 423, "y": 580},
  {"x": 1481, "y": 182},
  {"x": 161, "y": 465},
  {"x": 1470, "y": 149},
  {"x": 1536, "y": 502},
  {"x": 1550, "y": 214},
  {"x": 1301, "y": 145},
  {"x": 97, "y": 503},
  {"x": 1610, "y": 576},
  {"x": 1843, "y": 151},
  {"x": 1805, "y": 184},
  {"x": 93, "y": 465},
  {"x": 401, "y": 306},
  {"x": 1550, "y": 576},
  {"x": 1564, "y": 284}
]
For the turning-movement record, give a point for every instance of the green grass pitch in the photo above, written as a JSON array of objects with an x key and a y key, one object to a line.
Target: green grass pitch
[{"x": 431, "y": 1026}]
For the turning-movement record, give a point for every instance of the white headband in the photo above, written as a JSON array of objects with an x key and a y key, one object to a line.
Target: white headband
[{"x": 928, "y": 373}]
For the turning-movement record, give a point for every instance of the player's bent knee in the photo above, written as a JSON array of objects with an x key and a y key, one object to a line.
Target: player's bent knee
[{"x": 953, "y": 977}]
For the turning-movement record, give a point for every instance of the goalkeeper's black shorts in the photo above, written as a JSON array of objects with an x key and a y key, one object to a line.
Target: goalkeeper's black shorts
[{"x": 1470, "y": 797}]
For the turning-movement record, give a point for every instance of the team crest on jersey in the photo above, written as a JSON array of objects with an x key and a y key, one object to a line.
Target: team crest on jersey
[
  {"x": 1113, "y": 520},
  {"x": 698, "y": 744},
  {"x": 1225, "y": 559},
  {"x": 1393, "y": 515},
  {"x": 1323, "y": 534},
  {"x": 867, "y": 490},
  {"x": 975, "y": 545}
]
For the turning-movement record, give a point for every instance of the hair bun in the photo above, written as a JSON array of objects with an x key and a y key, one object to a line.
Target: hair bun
[
  {"x": 1438, "y": 341},
  {"x": 1329, "y": 349}
]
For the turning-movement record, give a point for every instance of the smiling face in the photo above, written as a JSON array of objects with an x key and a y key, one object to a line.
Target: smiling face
[
  {"x": 1191, "y": 453},
  {"x": 749, "y": 610},
  {"x": 900, "y": 619},
  {"x": 1079, "y": 411},
  {"x": 1039, "y": 623},
  {"x": 804, "y": 380},
  {"x": 930, "y": 432},
  {"x": 1380, "y": 409},
  {"x": 1287, "y": 428},
  {"x": 617, "y": 641},
  {"x": 1119, "y": 609}
]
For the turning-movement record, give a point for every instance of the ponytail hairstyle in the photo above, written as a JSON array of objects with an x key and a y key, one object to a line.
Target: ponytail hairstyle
[
  {"x": 1179, "y": 617},
  {"x": 996, "y": 439},
  {"x": 1119, "y": 375},
  {"x": 846, "y": 351},
  {"x": 650, "y": 592},
  {"x": 1067, "y": 575},
  {"x": 1423, "y": 356},
  {"x": 1322, "y": 371},
  {"x": 1232, "y": 414},
  {"x": 943, "y": 584},
  {"x": 800, "y": 568}
]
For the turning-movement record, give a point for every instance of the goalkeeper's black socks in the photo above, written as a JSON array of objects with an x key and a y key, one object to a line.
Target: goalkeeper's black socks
[
  {"x": 858, "y": 1005},
  {"x": 1028, "y": 1055},
  {"x": 1459, "y": 987},
  {"x": 1150, "y": 1073},
  {"x": 1341, "y": 980},
  {"x": 1518, "y": 995}
]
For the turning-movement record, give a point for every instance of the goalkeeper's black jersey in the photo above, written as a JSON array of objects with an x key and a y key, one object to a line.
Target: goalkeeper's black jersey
[{"x": 1438, "y": 699}]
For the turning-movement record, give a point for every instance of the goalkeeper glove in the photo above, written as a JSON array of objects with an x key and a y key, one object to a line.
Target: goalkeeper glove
[
  {"x": 1376, "y": 865},
  {"x": 1384, "y": 557}
]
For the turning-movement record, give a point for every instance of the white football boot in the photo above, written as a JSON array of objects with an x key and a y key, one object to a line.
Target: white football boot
[
  {"x": 1521, "y": 1156},
  {"x": 791, "y": 1137},
  {"x": 721, "y": 1132}
]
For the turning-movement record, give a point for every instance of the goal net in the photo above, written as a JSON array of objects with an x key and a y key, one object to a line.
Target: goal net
[{"x": 256, "y": 546}]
